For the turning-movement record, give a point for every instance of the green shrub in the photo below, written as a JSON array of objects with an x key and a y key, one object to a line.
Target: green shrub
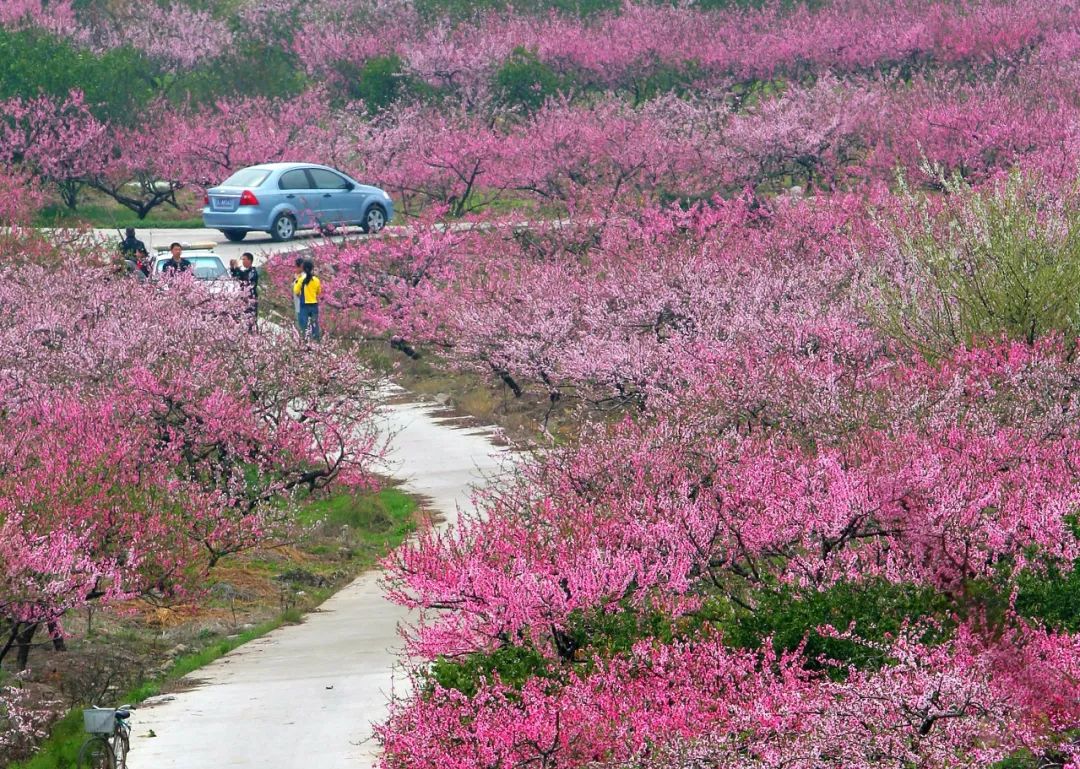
[
  {"x": 249, "y": 69},
  {"x": 117, "y": 84},
  {"x": 1004, "y": 261},
  {"x": 514, "y": 665},
  {"x": 1052, "y": 597},
  {"x": 663, "y": 77},
  {"x": 380, "y": 82},
  {"x": 789, "y": 616},
  {"x": 525, "y": 81}
]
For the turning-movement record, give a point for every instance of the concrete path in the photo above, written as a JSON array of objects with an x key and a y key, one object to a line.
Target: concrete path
[
  {"x": 259, "y": 244},
  {"x": 305, "y": 696},
  {"x": 262, "y": 245}
]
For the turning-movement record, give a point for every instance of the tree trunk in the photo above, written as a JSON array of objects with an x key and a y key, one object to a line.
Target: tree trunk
[
  {"x": 57, "y": 637},
  {"x": 12, "y": 636},
  {"x": 405, "y": 347},
  {"x": 26, "y": 637},
  {"x": 69, "y": 193},
  {"x": 508, "y": 380}
]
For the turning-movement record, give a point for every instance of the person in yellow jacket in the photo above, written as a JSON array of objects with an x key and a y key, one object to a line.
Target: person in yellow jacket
[{"x": 306, "y": 289}]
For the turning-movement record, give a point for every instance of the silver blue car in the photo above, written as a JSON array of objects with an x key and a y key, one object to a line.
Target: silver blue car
[{"x": 281, "y": 198}]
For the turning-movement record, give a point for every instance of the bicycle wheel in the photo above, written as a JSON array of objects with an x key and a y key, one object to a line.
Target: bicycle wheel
[
  {"x": 95, "y": 753},
  {"x": 120, "y": 748}
]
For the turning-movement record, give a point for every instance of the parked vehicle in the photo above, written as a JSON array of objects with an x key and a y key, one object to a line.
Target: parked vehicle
[
  {"x": 205, "y": 266},
  {"x": 282, "y": 198}
]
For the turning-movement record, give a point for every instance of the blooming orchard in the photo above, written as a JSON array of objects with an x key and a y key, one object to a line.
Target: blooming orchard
[
  {"x": 800, "y": 281},
  {"x": 779, "y": 445},
  {"x": 146, "y": 439}
]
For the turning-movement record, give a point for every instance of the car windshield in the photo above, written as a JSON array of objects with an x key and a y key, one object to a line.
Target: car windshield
[
  {"x": 204, "y": 267},
  {"x": 247, "y": 177}
]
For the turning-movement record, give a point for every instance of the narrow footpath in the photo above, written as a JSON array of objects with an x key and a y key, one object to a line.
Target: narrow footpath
[{"x": 305, "y": 696}]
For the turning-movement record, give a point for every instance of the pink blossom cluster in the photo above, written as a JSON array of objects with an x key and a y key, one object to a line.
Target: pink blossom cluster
[
  {"x": 703, "y": 704},
  {"x": 58, "y": 140},
  {"x": 175, "y": 36},
  {"x": 613, "y": 50},
  {"x": 722, "y": 46},
  {"x": 746, "y": 421},
  {"x": 833, "y": 131},
  {"x": 772, "y": 436},
  {"x": 661, "y": 505},
  {"x": 54, "y": 15},
  {"x": 24, "y": 721},
  {"x": 831, "y": 135},
  {"x": 204, "y": 147},
  {"x": 25, "y": 196}
]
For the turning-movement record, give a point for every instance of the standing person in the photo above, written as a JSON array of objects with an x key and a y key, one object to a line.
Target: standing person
[
  {"x": 307, "y": 289},
  {"x": 130, "y": 246},
  {"x": 297, "y": 277},
  {"x": 249, "y": 278},
  {"x": 177, "y": 263}
]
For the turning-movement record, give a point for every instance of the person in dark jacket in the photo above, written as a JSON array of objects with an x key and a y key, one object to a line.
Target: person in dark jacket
[
  {"x": 131, "y": 245},
  {"x": 177, "y": 262},
  {"x": 249, "y": 278}
]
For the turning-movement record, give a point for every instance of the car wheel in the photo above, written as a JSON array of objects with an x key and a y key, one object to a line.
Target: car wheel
[
  {"x": 234, "y": 236},
  {"x": 283, "y": 228},
  {"x": 374, "y": 219}
]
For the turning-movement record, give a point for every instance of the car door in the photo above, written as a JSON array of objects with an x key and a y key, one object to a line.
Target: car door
[
  {"x": 333, "y": 190},
  {"x": 299, "y": 192},
  {"x": 356, "y": 200}
]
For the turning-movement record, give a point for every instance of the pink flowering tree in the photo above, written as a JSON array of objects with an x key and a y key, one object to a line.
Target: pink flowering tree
[
  {"x": 53, "y": 15},
  {"x": 776, "y": 443},
  {"x": 203, "y": 147},
  {"x": 686, "y": 704},
  {"x": 167, "y": 441},
  {"x": 175, "y": 36},
  {"x": 59, "y": 141}
]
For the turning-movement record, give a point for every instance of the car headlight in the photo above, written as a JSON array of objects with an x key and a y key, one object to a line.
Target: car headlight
[{"x": 385, "y": 194}]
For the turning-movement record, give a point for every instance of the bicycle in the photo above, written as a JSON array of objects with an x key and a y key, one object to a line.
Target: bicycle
[{"x": 109, "y": 743}]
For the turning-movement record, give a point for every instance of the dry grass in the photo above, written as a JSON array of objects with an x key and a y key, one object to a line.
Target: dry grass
[{"x": 485, "y": 398}]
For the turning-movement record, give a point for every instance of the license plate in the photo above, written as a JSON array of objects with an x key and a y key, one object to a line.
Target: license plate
[{"x": 222, "y": 204}]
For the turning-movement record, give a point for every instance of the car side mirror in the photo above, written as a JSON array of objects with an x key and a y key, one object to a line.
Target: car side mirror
[{"x": 349, "y": 186}]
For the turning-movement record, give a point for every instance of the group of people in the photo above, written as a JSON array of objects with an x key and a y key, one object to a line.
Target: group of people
[{"x": 306, "y": 287}]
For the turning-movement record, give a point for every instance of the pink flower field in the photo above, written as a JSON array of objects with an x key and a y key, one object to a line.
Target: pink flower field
[{"x": 795, "y": 286}]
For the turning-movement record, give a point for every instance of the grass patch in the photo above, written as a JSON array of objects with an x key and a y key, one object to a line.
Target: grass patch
[
  {"x": 375, "y": 522},
  {"x": 389, "y": 510},
  {"x": 98, "y": 210},
  {"x": 102, "y": 216}
]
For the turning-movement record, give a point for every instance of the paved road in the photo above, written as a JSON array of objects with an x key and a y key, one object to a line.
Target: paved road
[
  {"x": 257, "y": 243},
  {"x": 305, "y": 696},
  {"x": 261, "y": 245}
]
